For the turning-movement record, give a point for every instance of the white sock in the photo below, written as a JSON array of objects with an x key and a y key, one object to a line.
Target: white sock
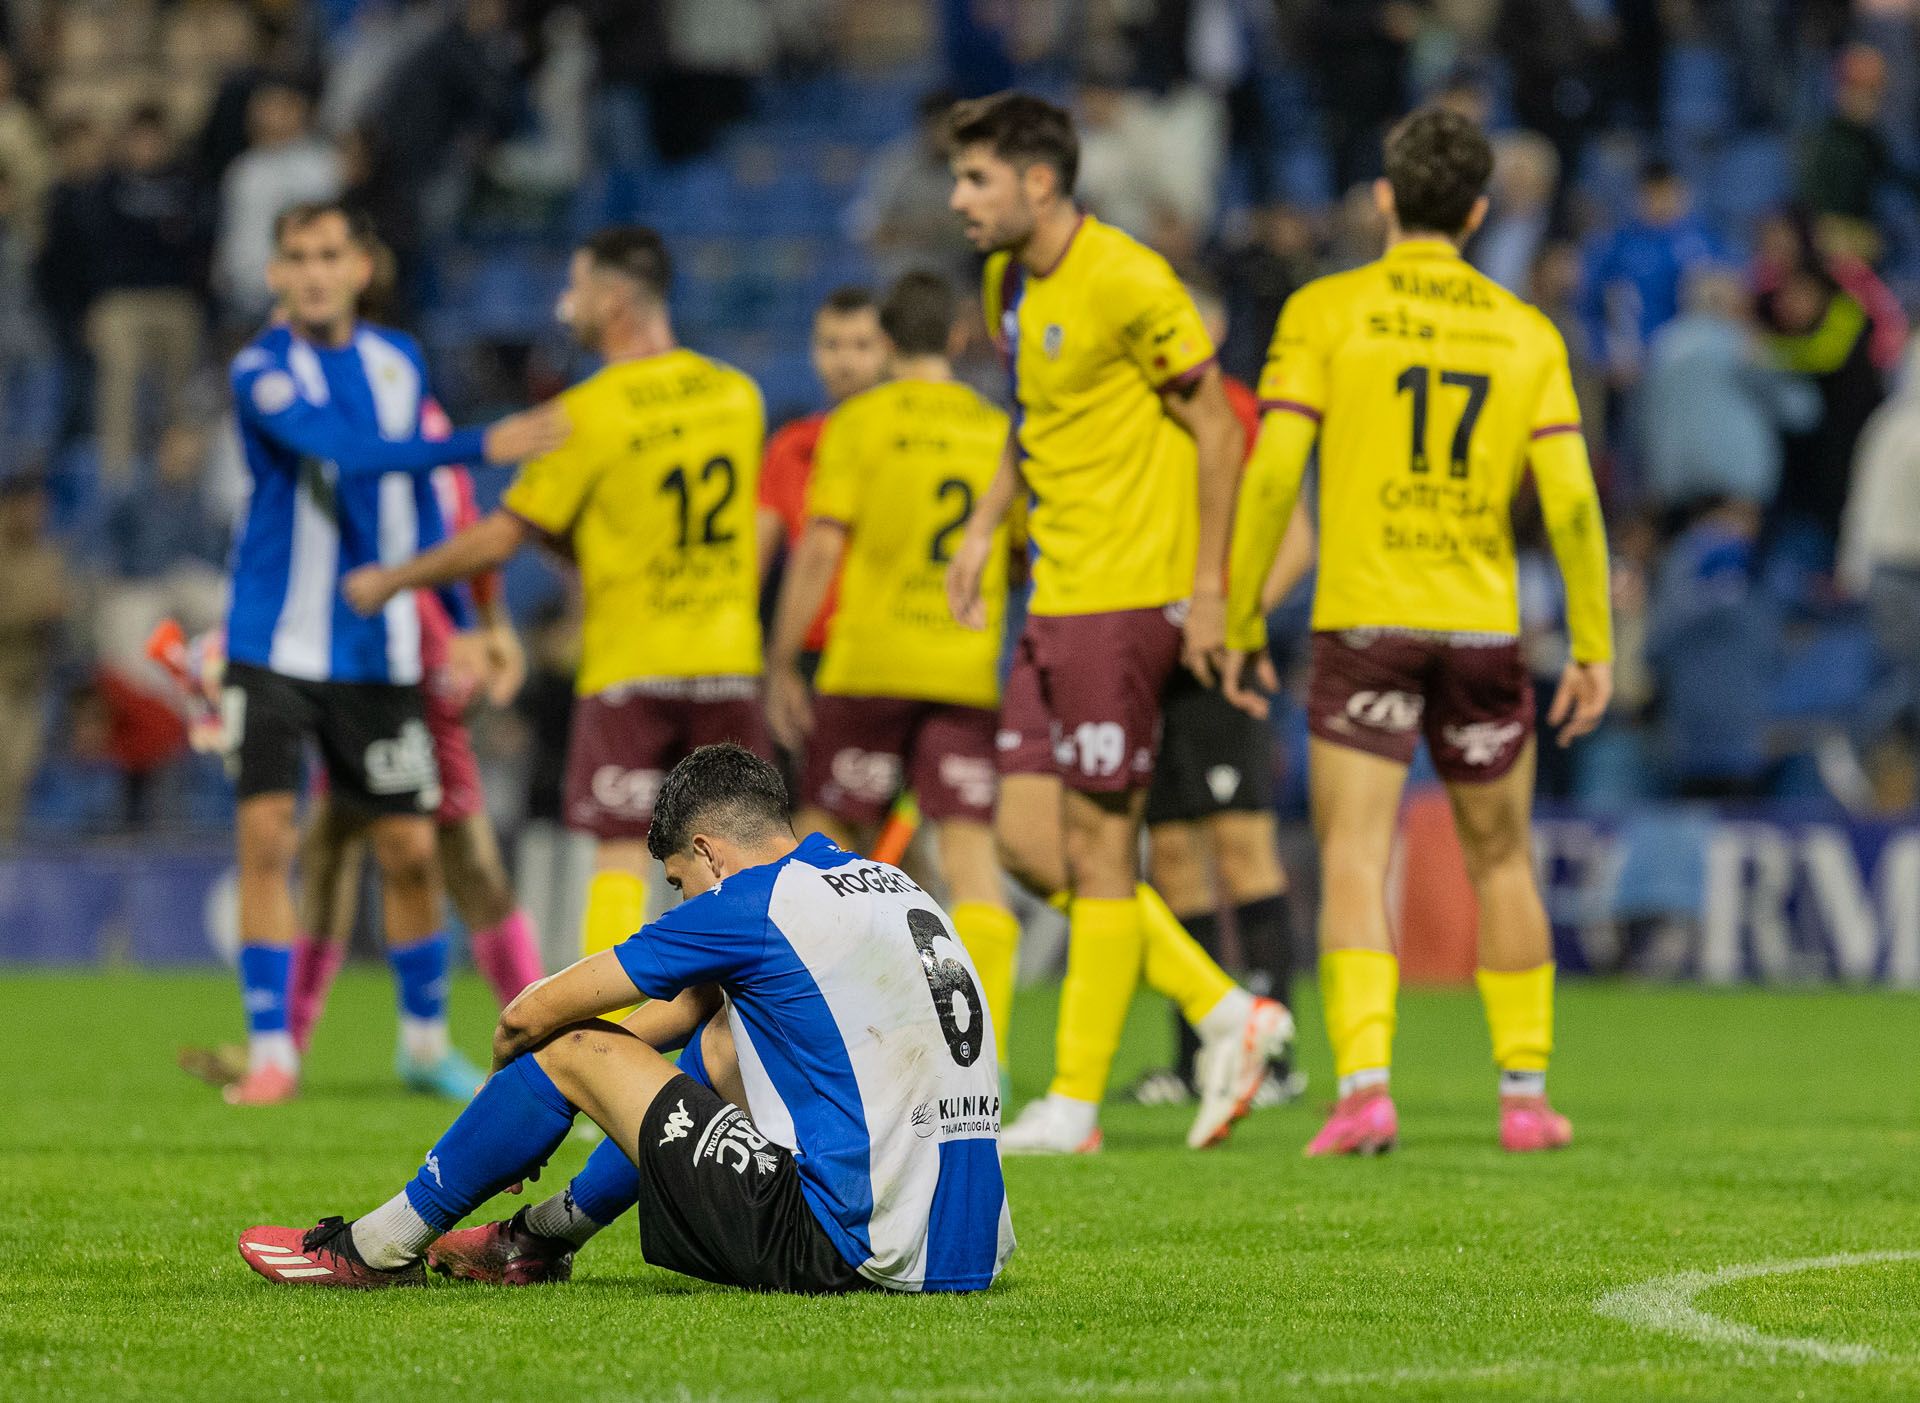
[
  {"x": 393, "y": 1235},
  {"x": 424, "y": 1040},
  {"x": 560, "y": 1217},
  {"x": 1361, "y": 1080},
  {"x": 1523, "y": 1083},
  {"x": 273, "y": 1050},
  {"x": 1226, "y": 1018}
]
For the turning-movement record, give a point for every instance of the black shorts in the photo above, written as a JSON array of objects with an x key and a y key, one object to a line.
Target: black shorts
[
  {"x": 720, "y": 1201},
  {"x": 373, "y": 740},
  {"x": 1214, "y": 758}
]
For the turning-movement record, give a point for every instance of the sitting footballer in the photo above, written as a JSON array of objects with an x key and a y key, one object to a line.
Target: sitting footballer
[{"x": 833, "y": 1122}]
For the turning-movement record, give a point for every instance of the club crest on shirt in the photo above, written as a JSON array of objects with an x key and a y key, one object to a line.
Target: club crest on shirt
[
  {"x": 1050, "y": 340},
  {"x": 274, "y": 392}
]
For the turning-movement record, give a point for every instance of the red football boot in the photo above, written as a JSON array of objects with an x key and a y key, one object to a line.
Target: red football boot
[
  {"x": 505, "y": 1253},
  {"x": 322, "y": 1255}
]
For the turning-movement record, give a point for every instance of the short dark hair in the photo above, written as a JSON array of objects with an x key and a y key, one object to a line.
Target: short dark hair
[
  {"x": 846, "y": 300},
  {"x": 359, "y": 226},
  {"x": 1020, "y": 128},
  {"x": 633, "y": 251},
  {"x": 724, "y": 789},
  {"x": 1438, "y": 163},
  {"x": 918, "y": 314},
  {"x": 149, "y": 114}
]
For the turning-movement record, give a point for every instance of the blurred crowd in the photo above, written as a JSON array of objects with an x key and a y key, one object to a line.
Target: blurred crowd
[{"x": 1717, "y": 201}]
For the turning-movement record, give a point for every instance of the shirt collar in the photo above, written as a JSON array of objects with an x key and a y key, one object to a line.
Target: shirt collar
[{"x": 1423, "y": 248}]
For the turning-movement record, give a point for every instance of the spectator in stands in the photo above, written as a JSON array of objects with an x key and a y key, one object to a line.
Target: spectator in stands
[
  {"x": 901, "y": 217},
  {"x": 1358, "y": 52},
  {"x": 1844, "y": 162},
  {"x": 166, "y": 553},
  {"x": 1634, "y": 272},
  {"x": 284, "y": 164},
  {"x": 1713, "y": 642},
  {"x": 1880, "y": 559},
  {"x": 1257, "y": 274},
  {"x": 1713, "y": 406},
  {"x": 1787, "y": 241},
  {"x": 1822, "y": 332},
  {"x": 22, "y": 338},
  {"x": 1551, "y": 53},
  {"x": 1554, "y": 287},
  {"x": 35, "y": 599},
  {"x": 1138, "y": 168},
  {"x": 444, "y": 105},
  {"x": 1526, "y": 177},
  {"x": 148, "y": 258},
  {"x": 23, "y": 153}
]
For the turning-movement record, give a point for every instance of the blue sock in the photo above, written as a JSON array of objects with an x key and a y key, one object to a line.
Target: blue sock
[
  {"x": 607, "y": 1185},
  {"x": 421, "y": 970},
  {"x": 266, "y": 975},
  {"x": 507, "y": 1131}
]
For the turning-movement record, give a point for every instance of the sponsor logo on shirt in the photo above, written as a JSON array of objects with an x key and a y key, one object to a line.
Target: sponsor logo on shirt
[
  {"x": 922, "y": 1120},
  {"x": 967, "y": 1115},
  {"x": 1051, "y": 339}
]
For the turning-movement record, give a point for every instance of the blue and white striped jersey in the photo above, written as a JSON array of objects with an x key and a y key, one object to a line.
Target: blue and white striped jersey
[
  {"x": 866, "y": 1051},
  {"x": 340, "y": 478}
]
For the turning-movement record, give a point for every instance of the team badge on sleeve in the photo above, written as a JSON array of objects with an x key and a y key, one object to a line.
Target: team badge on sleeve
[{"x": 274, "y": 391}]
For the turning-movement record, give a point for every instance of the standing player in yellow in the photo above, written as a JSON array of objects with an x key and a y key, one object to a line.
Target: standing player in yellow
[
  {"x": 653, "y": 496},
  {"x": 1431, "y": 391},
  {"x": 907, "y": 698},
  {"x": 1129, "y": 450}
]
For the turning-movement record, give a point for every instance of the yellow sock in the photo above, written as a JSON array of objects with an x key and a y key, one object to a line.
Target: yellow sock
[
  {"x": 1103, "y": 969},
  {"x": 992, "y": 938},
  {"x": 1176, "y": 965},
  {"x": 1519, "y": 1015},
  {"x": 1359, "y": 988},
  {"x": 616, "y": 908}
]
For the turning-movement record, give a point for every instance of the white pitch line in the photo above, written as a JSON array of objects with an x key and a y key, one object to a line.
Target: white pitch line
[{"x": 1666, "y": 1304}]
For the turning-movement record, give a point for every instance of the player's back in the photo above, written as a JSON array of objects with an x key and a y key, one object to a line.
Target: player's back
[
  {"x": 901, "y": 466},
  {"x": 865, "y": 1048},
  {"x": 1430, "y": 383},
  {"x": 654, "y": 493}
]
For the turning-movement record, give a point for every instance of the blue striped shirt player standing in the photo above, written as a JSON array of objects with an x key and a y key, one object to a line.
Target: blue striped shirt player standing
[{"x": 330, "y": 419}]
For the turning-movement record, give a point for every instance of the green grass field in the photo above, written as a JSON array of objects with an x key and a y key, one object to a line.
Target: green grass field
[{"x": 1714, "y": 1130}]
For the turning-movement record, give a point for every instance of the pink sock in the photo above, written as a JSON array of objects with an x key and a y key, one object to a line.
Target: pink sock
[
  {"x": 508, "y": 955},
  {"x": 315, "y": 962}
]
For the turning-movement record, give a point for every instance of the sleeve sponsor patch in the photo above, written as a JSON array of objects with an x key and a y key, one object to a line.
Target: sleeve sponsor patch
[{"x": 274, "y": 391}]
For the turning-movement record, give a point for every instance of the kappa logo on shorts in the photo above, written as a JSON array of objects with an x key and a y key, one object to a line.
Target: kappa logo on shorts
[
  {"x": 626, "y": 793},
  {"x": 1223, "y": 782},
  {"x": 679, "y": 1123},
  {"x": 1386, "y": 711},
  {"x": 867, "y": 774},
  {"x": 1482, "y": 742}
]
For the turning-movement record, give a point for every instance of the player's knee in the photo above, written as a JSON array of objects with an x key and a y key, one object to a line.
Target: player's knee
[
  {"x": 1030, "y": 858},
  {"x": 1248, "y": 858},
  {"x": 405, "y": 854},
  {"x": 1176, "y": 869},
  {"x": 1492, "y": 837},
  {"x": 267, "y": 842}
]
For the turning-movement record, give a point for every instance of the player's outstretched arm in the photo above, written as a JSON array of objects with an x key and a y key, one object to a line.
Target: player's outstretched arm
[
  {"x": 1268, "y": 495},
  {"x": 802, "y": 592},
  {"x": 1200, "y": 406},
  {"x": 969, "y": 564},
  {"x": 582, "y": 991},
  {"x": 485, "y": 545}
]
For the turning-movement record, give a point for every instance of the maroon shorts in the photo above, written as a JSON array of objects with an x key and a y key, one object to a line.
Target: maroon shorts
[
  {"x": 625, "y": 739},
  {"x": 1380, "y": 690},
  {"x": 1083, "y": 699},
  {"x": 864, "y": 750}
]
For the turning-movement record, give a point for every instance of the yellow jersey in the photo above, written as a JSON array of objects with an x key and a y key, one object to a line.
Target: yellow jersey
[
  {"x": 900, "y": 467},
  {"x": 1114, "y": 480},
  {"x": 654, "y": 495},
  {"x": 1432, "y": 388}
]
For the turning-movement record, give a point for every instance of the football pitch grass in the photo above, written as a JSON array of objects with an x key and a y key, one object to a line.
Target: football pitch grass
[{"x": 1720, "y": 1137}]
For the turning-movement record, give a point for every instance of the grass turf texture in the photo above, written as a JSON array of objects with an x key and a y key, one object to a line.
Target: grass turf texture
[{"x": 1712, "y": 1129}]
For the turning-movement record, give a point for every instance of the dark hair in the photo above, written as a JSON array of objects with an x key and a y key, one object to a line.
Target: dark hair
[
  {"x": 1020, "y": 128},
  {"x": 918, "y": 314},
  {"x": 1438, "y": 163},
  {"x": 845, "y": 301},
  {"x": 724, "y": 789},
  {"x": 359, "y": 227},
  {"x": 633, "y": 251},
  {"x": 148, "y": 114},
  {"x": 1657, "y": 172}
]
